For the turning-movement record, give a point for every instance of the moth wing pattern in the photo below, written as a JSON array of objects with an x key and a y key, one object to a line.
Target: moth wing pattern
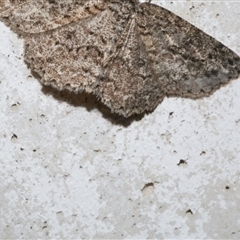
[
  {"x": 129, "y": 54},
  {"x": 187, "y": 61},
  {"x": 129, "y": 85},
  {"x": 71, "y": 57},
  {"x": 36, "y": 16}
]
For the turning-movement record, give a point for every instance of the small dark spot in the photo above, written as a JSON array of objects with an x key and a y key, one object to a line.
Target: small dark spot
[
  {"x": 66, "y": 16},
  {"x": 214, "y": 72},
  {"x": 15, "y": 105},
  {"x": 85, "y": 69},
  {"x": 189, "y": 211},
  {"x": 103, "y": 40},
  {"x": 202, "y": 153},
  {"x": 49, "y": 59},
  {"x": 210, "y": 56},
  {"x": 70, "y": 49},
  {"x": 227, "y": 187},
  {"x": 182, "y": 162},
  {"x": 236, "y": 59},
  {"x": 230, "y": 61},
  {"x": 97, "y": 150},
  {"x": 69, "y": 36},
  {"x": 34, "y": 150},
  {"x": 192, "y": 7},
  {"x": 141, "y": 63},
  {"x": 14, "y": 136},
  {"x": 148, "y": 188},
  {"x": 119, "y": 46},
  {"x": 99, "y": 54},
  {"x": 148, "y": 185}
]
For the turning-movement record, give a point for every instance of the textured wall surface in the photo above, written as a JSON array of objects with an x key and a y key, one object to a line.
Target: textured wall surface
[{"x": 70, "y": 169}]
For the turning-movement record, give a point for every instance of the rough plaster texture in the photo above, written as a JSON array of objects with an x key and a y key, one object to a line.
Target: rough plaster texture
[{"x": 70, "y": 169}]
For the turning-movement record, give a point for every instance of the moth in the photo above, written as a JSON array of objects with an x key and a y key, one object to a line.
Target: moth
[{"x": 129, "y": 54}]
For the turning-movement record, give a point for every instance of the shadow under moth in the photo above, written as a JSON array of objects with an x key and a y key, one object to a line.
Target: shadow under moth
[{"x": 129, "y": 54}]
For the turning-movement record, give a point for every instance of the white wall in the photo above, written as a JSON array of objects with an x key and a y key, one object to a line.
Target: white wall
[{"x": 69, "y": 169}]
